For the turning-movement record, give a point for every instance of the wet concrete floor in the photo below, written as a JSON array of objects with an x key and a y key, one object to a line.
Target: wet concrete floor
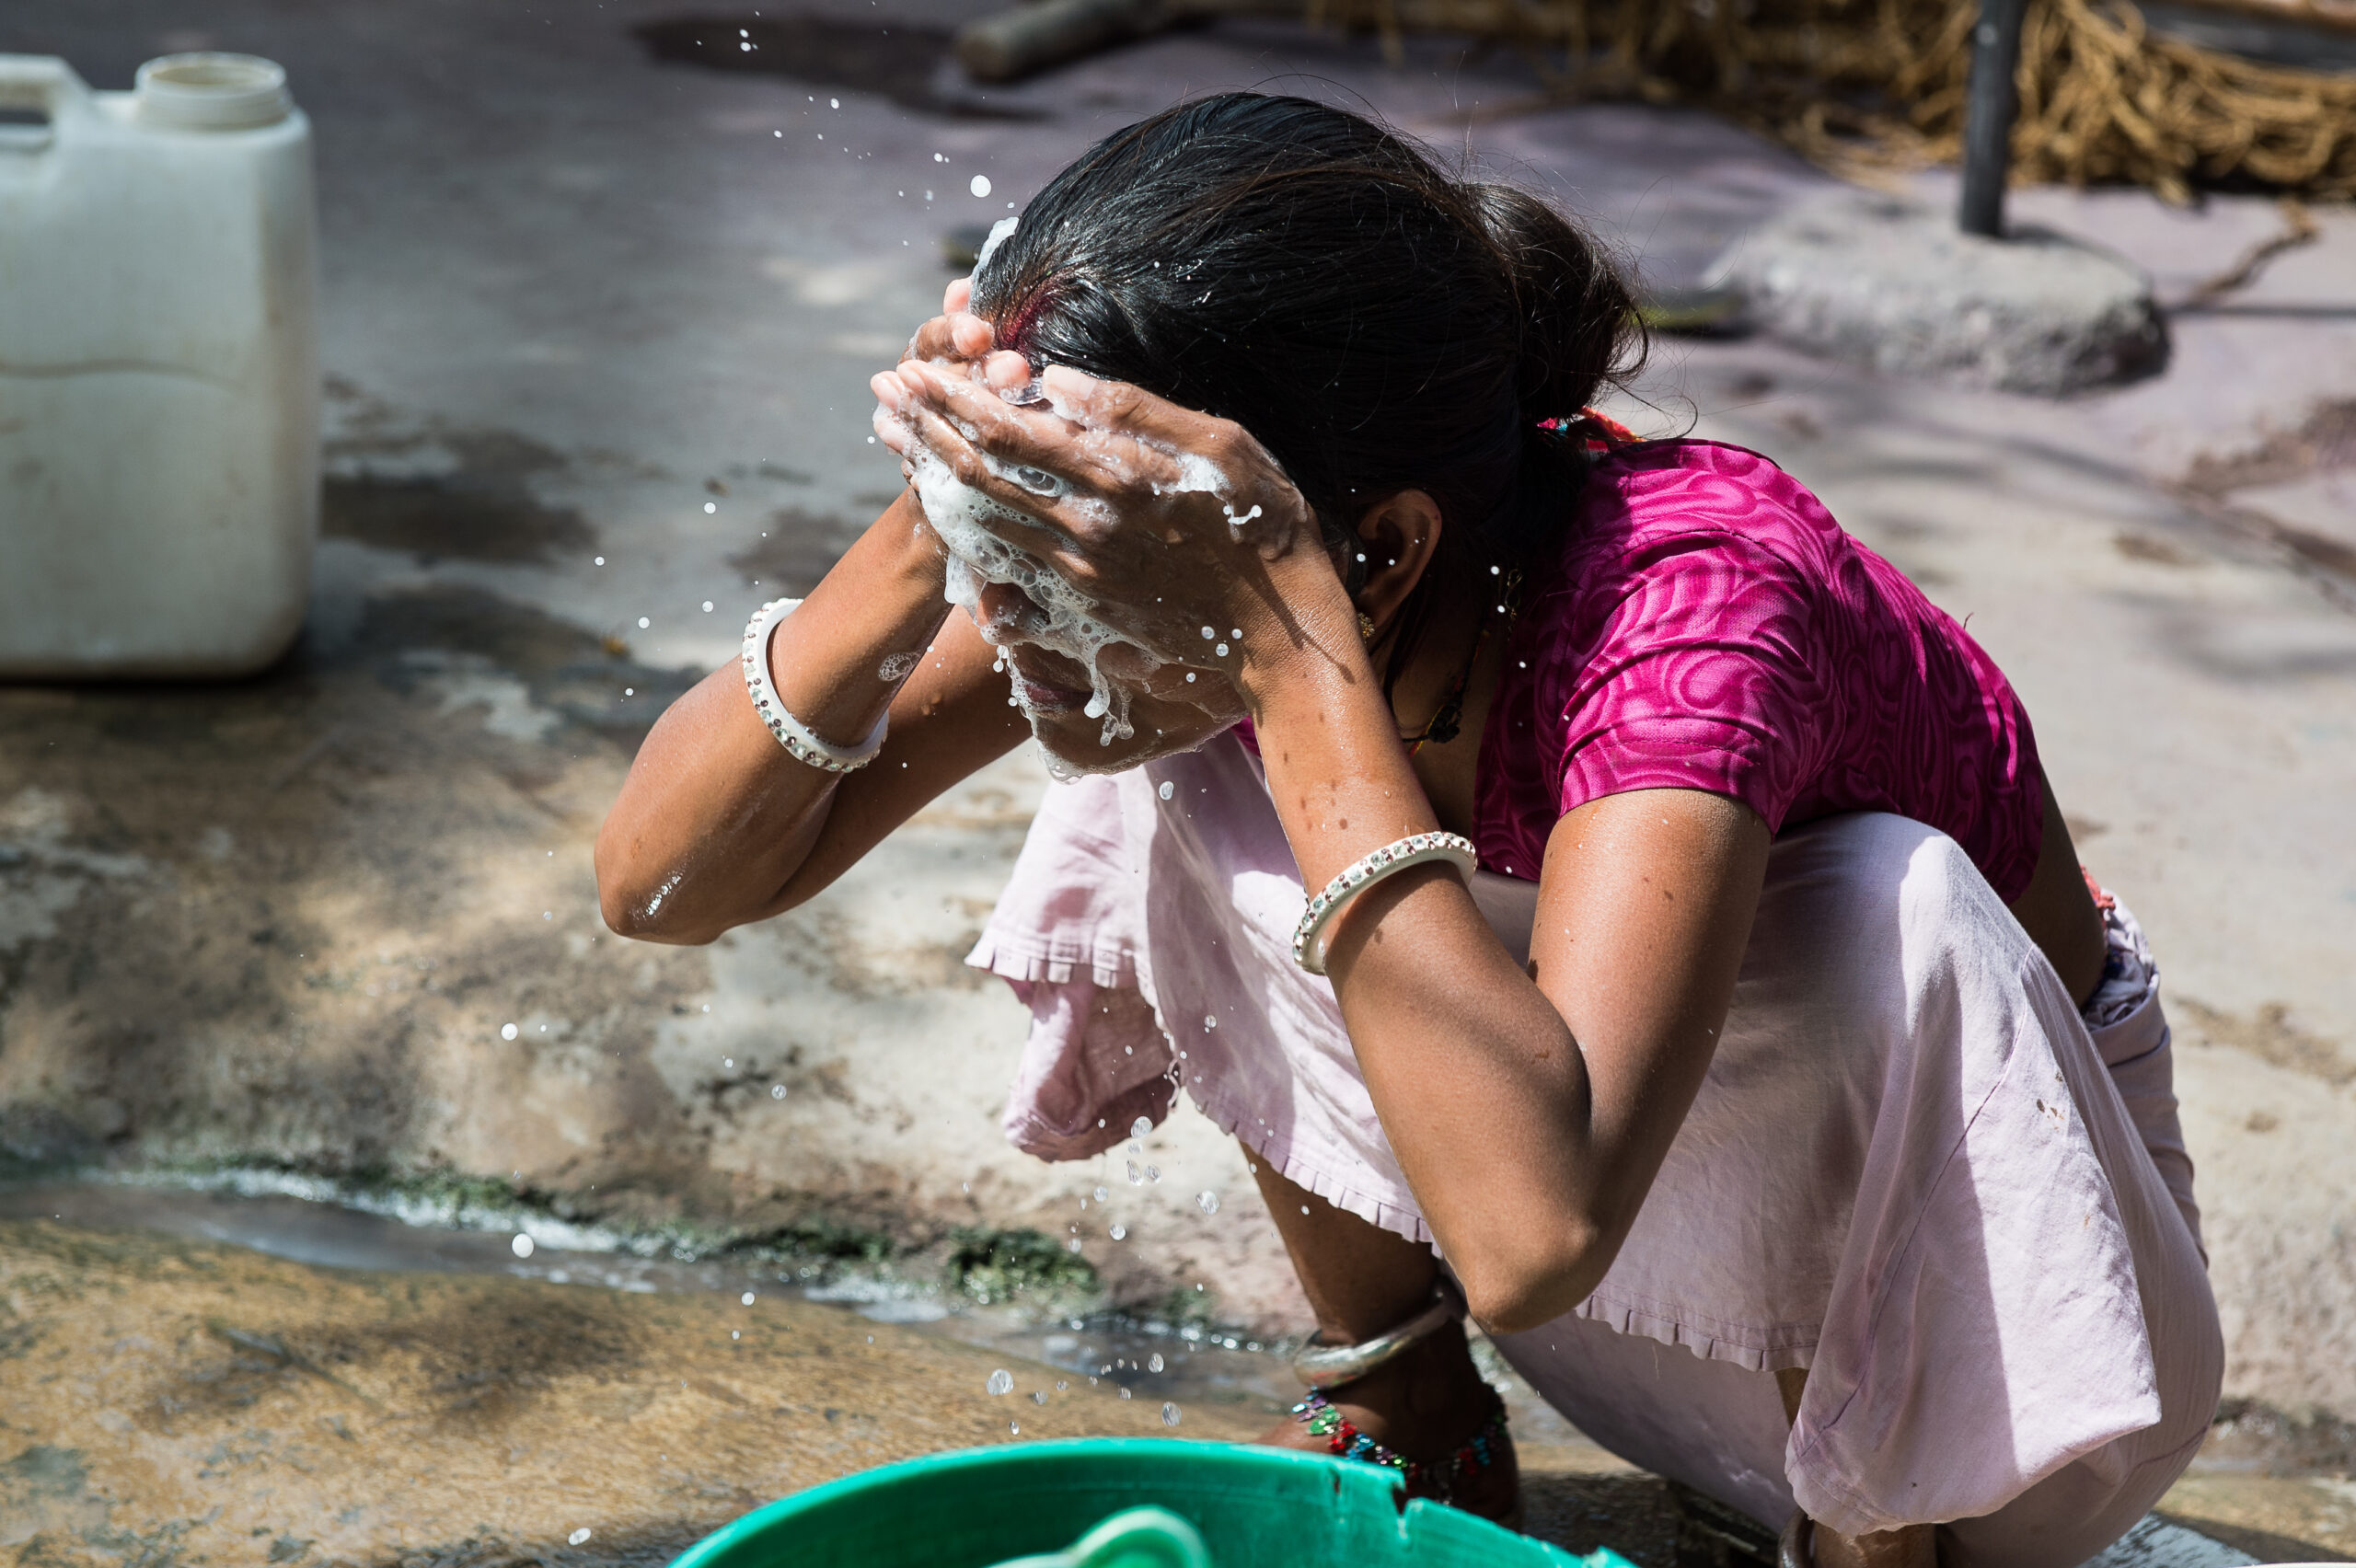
[
  {"x": 166, "y": 1398},
  {"x": 204, "y": 1378}
]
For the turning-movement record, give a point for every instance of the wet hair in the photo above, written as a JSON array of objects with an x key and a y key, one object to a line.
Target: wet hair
[{"x": 1378, "y": 325}]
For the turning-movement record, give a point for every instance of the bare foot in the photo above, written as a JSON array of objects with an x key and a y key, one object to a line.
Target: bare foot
[{"x": 1426, "y": 1404}]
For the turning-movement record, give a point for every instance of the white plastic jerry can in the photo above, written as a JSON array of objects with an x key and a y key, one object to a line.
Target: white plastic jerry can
[{"x": 159, "y": 383}]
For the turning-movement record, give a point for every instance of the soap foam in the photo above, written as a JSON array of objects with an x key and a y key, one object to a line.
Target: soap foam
[
  {"x": 1066, "y": 620},
  {"x": 963, "y": 517}
]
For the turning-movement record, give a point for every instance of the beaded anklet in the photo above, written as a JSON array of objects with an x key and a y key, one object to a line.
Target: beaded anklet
[{"x": 1437, "y": 1481}]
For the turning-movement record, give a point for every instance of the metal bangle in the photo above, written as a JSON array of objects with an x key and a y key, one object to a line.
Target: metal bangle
[
  {"x": 1323, "y": 1366},
  {"x": 792, "y": 734},
  {"x": 1309, "y": 937},
  {"x": 1797, "y": 1547}
]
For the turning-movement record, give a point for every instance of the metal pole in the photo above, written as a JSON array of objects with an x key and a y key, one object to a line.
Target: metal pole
[{"x": 1992, "y": 101}]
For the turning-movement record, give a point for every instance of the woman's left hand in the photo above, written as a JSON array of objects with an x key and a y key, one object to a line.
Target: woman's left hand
[{"x": 1171, "y": 520}]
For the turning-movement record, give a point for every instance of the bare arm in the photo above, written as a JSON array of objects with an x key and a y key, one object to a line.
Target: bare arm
[
  {"x": 1530, "y": 1116},
  {"x": 717, "y": 826}
]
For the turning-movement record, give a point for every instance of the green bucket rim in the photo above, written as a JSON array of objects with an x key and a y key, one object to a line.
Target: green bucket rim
[{"x": 1348, "y": 1475}]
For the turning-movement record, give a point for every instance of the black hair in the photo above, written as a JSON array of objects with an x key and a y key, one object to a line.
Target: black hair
[{"x": 1375, "y": 324}]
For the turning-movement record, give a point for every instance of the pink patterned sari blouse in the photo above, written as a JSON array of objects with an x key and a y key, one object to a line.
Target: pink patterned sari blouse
[{"x": 1708, "y": 625}]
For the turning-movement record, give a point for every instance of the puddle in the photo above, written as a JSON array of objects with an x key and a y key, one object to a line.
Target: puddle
[
  {"x": 1186, "y": 1365},
  {"x": 463, "y": 495}
]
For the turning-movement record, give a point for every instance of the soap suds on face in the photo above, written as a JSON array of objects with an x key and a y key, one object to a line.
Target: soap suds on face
[
  {"x": 1062, "y": 619},
  {"x": 962, "y": 516}
]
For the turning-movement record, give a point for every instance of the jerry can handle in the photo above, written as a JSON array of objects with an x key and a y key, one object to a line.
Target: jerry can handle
[{"x": 39, "y": 81}]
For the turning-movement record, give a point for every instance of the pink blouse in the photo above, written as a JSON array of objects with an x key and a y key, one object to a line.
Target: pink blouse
[{"x": 1708, "y": 625}]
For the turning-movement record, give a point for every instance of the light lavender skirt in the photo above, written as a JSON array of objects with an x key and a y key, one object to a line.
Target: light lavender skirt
[{"x": 1913, "y": 1169}]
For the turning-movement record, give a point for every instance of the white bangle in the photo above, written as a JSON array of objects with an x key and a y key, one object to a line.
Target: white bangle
[
  {"x": 1308, "y": 937},
  {"x": 791, "y": 733}
]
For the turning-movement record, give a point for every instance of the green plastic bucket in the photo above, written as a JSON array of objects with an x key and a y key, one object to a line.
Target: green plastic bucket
[{"x": 1254, "y": 1509}]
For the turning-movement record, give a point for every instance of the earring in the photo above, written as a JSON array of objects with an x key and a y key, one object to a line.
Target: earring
[{"x": 1366, "y": 627}]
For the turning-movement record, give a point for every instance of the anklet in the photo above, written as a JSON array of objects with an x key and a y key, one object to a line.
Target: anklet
[
  {"x": 1437, "y": 1481},
  {"x": 1323, "y": 1366}
]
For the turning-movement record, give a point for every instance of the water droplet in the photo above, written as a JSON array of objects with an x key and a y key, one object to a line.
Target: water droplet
[
  {"x": 1169, "y": 1413},
  {"x": 735, "y": 1333},
  {"x": 1206, "y": 1201},
  {"x": 507, "y": 1032},
  {"x": 1001, "y": 1382},
  {"x": 1015, "y": 1427},
  {"x": 1141, "y": 1126},
  {"x": 777, "y": 1091},
  {"x": 710, "y": 507},
  {"x": 520, "y": 1246},
  {"x": 1126, "y": 1395},
  {"x": 707, "y": 606},
  {"x": 1039, "y": 1396},
  {"x": 1153, "y": 1173},
  {"x": 643, "y": 623},
  {"x": 1167, "y": 790},
  {"x": 1210, "y": 1021},
  {"x": 1102, "y": 1194},
  {"x": 1220, "y": 650},
  {"x": 1208, "y": 634},
  {"x": 1153, "y": 1363},
  {"x": 1120, "y": 1232},
  {"x": 980, "y": 185},
  {"x": 745, "y": 1299},
  {"x": 576, "y": 1538},
  {"x": 1136, "y": 1177}
]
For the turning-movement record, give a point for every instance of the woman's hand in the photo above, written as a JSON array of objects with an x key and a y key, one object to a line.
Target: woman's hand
[{"x": 1169, "y": 520}]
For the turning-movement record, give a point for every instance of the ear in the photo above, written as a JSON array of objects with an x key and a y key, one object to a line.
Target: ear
[{"x": 1398, "y": 538}]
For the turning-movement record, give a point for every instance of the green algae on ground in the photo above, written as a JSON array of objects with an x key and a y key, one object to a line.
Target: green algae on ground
[{"x": 997, "y": 1266}]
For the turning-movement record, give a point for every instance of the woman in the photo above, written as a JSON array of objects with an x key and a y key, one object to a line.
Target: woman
[{"x": 1259, "y": 454}]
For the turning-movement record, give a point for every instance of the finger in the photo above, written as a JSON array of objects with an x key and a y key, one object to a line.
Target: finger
[
  {"x": 957, "y": 297},
  {"x": 1033, "y": 524},
  {"x": 1118, "y": 406},
  {"x": 1092, "y": 462},
  {"x": 1005, "y": 371},
  {"x": 893, "y": 432},
  {"x": 930, "y": 342},
  {"x": 969, "y": 335}
]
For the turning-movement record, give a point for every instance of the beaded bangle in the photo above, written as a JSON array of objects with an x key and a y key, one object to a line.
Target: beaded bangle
[
  {"x": 1308, "y": 937},
  {"x": 791, "y": 733}
]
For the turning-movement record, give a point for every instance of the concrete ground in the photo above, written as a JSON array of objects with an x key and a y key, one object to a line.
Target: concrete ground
[{"x": 598, "y": 322}]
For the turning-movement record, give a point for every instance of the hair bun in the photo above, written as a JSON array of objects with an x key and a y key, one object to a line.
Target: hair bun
[{"x": 1578, "y": 319}]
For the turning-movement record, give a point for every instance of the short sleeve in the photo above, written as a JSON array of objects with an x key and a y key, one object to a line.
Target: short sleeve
[{"x": 1695, "y": 670}]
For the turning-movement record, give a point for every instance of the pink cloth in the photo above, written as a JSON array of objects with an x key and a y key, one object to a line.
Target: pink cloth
[
  {"x": 1708, "y": 625},
  {"x": 1908, "y": 1170}
]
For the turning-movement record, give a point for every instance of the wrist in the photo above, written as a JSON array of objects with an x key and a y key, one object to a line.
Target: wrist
[{"x": 1310, "y": 650}]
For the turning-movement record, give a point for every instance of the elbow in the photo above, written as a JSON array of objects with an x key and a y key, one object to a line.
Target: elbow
[
  {"x": 644, "y": 907},
  {"x": 1514, "y": 1283}
]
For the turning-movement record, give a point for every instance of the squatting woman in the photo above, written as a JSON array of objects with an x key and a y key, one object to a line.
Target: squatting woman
[{"x": 1630, "y": 910}]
